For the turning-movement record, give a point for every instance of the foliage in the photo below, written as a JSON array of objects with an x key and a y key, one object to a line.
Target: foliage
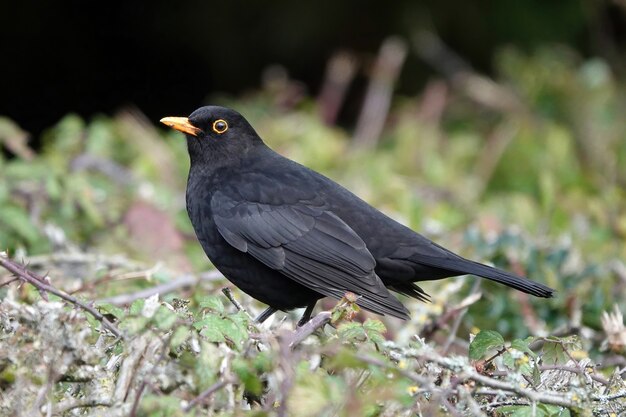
[{"x": 538, "y": 189}]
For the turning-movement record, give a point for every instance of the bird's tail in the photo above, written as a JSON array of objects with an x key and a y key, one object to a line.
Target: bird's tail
[{"x": 498, "y": 275}]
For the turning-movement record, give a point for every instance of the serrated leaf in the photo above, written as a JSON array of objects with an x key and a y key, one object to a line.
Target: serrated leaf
[
  {"x": 374, "y": 330},
  {"x": 107, "y": 308},
  {"x": 164, "y": 318},
  {"x": 235, "y": 331},
  {"x": 241, "y": 322},
  {"x": 351, "y": 331},
  {"x": 209, "y": 328},
  {"x": 374, "y": 325},
  {"x": 554, "y": 353},
  {"x": 485, "y": 341},
  {"x": 523, "y": 346},
  {"x": 213, "y": 303}
]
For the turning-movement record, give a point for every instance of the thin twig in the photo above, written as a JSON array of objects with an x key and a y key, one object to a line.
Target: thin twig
[
  {"x": 448, "y": 315},
  {"x": 40, "y": 283},
  {"x": 229, "y": 294},
  {"x": 187, "y": 280},
  {"x": 9, "y": 281},
  {"x": 111, "y": 261},
  {"x": 207, "y": 393},
  {"x": 548, "y": 397},
  {"x": 575, "y": 370},
  {"x": 459, "y": 318},
  {"x": 65, "y": 406}
]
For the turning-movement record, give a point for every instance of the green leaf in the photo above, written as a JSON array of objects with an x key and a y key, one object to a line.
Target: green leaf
[
  {"x": 107, "y": 308},
  {"x": 232, "y": 328},
  {"x": 164, "y": 318},
  {"x": 351, "y": 332},
  {"x": 134, "y": 325},
  {"x": 95, "y": 324},
  {"x": 536, "y": 375},
  {"x": 554, "y": 353},
  {"x": 136, "y": 307},
  {"x": 523, "y": 346},
  {"x": 160, "y": 406},
  {"x": 206, "y": 365},
  {"x": 16, "y": 219},
  {"x": 180, "y": 336},
  {"x": 553, "y": 410},
  {"x": 374, "y": 329},
  {"x": 209, "y": 328},
  {"x": 508, "y": 360},
  {"x": 248, "y": 376},
  {"x": 213, "y": 303},
  {"x": 374, "y": 325},
  {"x": 345, "y": 358},
  {"x": 485, "y": 341},
  {"x": 517, "y": 411}
]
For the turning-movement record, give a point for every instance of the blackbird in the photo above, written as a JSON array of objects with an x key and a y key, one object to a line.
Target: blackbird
[{"x": 288, "y": 236}]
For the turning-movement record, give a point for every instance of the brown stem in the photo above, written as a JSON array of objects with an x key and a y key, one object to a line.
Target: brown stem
[{"x": 40, "y": 283}]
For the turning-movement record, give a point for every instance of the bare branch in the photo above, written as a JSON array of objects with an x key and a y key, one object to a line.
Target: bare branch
[
  {"x": 187, "y": 280},
  {"x": 41, "y": 284},
  {"x": 301, "y": 333},
  {"x": 207, "y": 393}
]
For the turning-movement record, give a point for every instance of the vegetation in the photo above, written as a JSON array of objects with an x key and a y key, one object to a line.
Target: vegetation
[{"x": 526, "y": 171}]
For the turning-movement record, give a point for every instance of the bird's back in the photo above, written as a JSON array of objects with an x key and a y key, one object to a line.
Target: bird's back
[{"x": 402, "y": 255}]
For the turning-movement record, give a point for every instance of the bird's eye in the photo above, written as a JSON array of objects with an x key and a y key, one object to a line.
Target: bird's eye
[{"x": 220, "y": 126}]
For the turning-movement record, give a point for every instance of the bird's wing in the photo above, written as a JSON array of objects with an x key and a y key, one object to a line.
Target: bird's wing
[{"x": 307, "y": 243}]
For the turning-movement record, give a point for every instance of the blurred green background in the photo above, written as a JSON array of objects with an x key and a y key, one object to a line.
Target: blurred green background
[{"x": 495, "y": 128}]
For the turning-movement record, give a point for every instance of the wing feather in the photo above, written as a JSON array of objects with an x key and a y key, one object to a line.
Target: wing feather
[{"x": 307, "y": 243}]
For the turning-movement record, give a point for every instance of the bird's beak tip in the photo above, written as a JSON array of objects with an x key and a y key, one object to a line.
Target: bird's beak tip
[{"x": 181, "y": 124}]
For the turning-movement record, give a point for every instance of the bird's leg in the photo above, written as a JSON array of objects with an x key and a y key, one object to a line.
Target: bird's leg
[
  {"x": 306, "y": 316},
  {"x": 265, "y": 315}
]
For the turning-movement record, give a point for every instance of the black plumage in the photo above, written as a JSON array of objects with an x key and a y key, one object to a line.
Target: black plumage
[{"x": 288, "y": 236}]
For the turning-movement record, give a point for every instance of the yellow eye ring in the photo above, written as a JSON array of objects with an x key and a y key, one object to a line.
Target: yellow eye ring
[{"x": 220, "y": 126}]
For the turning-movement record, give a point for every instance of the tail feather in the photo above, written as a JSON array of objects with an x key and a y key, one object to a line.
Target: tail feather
[
  {"x": 411, "y": 290},
  {"x": 461, "y": 266},
  {"x": 511, "y": 280}
]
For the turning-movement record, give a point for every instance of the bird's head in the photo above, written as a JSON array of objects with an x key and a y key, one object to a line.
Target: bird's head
[{"x": 215, "y": 133}]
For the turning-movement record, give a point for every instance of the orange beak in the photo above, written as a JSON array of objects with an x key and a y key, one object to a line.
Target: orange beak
[{"x": 181, "y": 124}]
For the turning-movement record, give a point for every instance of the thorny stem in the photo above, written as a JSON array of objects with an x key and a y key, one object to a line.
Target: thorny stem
[{"x": 39, "y": 282}]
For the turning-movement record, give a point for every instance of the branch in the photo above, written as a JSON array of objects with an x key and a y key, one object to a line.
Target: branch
[
  {"x": 297, "y": 336},
  {"x": 110, "y": 261},
  {"x": 207, "y": 393},
  {"x": 65, "y": 406},
  {"x": 229, "y": 294},
  {"x": 186, "y": 280},
  {"x": 40, "y": 283},
  {"x": 547, "y": 397}
]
